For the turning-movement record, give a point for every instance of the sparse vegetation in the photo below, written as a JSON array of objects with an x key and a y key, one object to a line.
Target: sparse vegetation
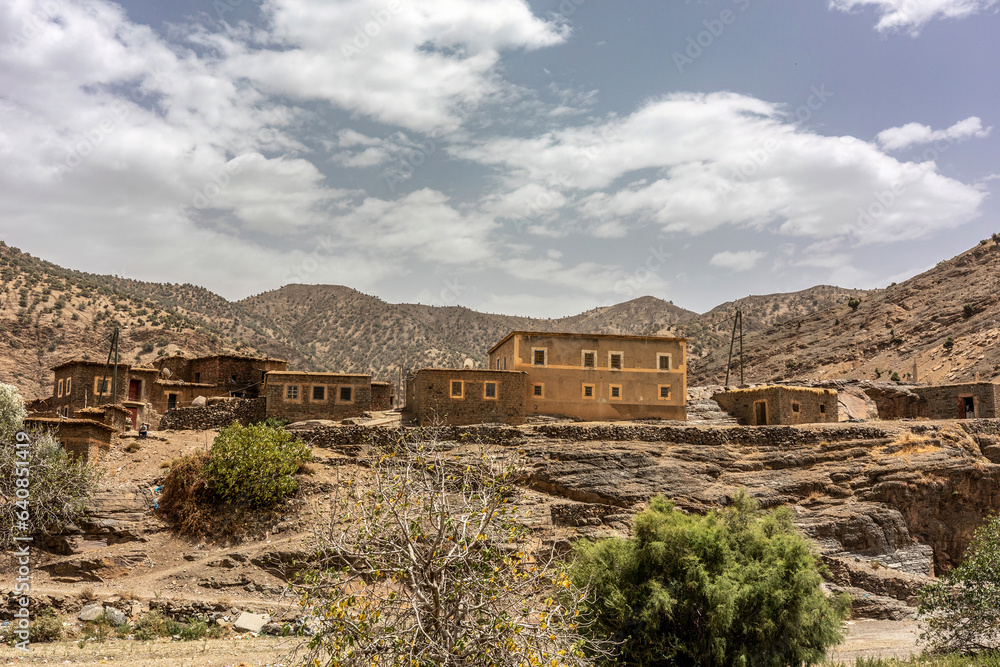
[
  {"x": 949, "y": 343},
  {"x": 895, "y": 377},
  {"x": 968, "y": 311},
  {"x": 853, "y": 303},
  {"x": 253, "y": 466}
]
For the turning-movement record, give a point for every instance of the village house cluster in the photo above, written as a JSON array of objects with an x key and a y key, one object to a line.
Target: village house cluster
[{"x": 586, "y": 377}]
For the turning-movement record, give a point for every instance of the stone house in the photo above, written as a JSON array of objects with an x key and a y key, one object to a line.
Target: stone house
[
  {"x": 457, "y": 397},
  {"x": 383, "y": 396},
  {"x": 598, "y": 377},
  {"x": 298, "y": 396},
  {"x": 780, "y": 405},
  {"x": 77, "y": 384},
  {"x": 86, "y": 438},
  {"x": 969, "y": 400}
]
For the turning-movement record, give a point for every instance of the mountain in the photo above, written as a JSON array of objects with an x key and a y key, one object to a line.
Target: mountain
[
  {"x": 946, "y": 321},
  {"x": 49, "y": 314}
]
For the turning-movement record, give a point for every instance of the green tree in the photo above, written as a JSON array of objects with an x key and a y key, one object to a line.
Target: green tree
[
  {"x": 253, "y": 465},
  {"x": 854, "y": 303},
  {"x": 734, "y": 587},
  {"x": 12, "y": 411},
  {"x": 960, "y": 611}
]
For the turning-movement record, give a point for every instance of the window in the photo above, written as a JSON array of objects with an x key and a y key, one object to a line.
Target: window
[
  {"x": 822, "y": 409},
  {"x": 197, "y": 377},
  {"x": 615, "y": 360},
  {"x": 69, "y": 382},
  {"x": 538, "y": 390},
  {"x": 505, "y": 363},
  {"x": 664, "y": 392},
  {"x": 457, "y": 389},
  {"x": 232, "y": 378},
  {"x": 292, "y": 392},
  {"x": 795, "y": 407},
  {"x": 616, "y": 391},
  {"x": 346, "y": 394},
  {"x": 538, "y": 356},
  {"x": 65, "y": 412},
  {"x": 319, "y": 393},
  {"x": 588, "y": 391},
  {"x": 663, "y": 362},
  {"x": 489, "y": 390},
  {"x": 98, "y": 386},
  {"x": 589, "y": 359},
  {"x": 60, "y": 392}
]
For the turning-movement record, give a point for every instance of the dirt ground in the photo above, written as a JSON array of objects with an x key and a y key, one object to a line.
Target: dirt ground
[{"x": 159, "y": 564}]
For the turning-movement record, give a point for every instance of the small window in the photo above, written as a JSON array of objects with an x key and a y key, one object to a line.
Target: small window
[
  {"x": 615, "y": 361},
  {"x": 538, "y": 390},
  {"x": 319, "y": 393},
  {"x": 538, "y": 357},
  {"x": 292, "y": 392},
  {"x": 69, "y": 382},
  {"x": 663, "y": 362},
  {"x": 822, "y": 409},
  {"x": 457, "y": 389},
  {"x": 98, "y": 386},
  {"x": 232, "y": 378},
  {"x": 197, "y": 377},
  {"x": 795, "y": 407},
  {"x": 589, "y": 359},
  {"x": 60, "y": 392},
  {"x": 616, "y": 391},
  {"x": 65, "y": 412},
  {"x": 664, "y": 392},
  {"x": 588, "y": 391},
  {"x": 346, "y": 394},
  {"x": 505, "y": 363},
  {"x": 489, "y": 390}
]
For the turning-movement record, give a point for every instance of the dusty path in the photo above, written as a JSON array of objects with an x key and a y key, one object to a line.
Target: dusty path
[{"x": 885, "y": 639}]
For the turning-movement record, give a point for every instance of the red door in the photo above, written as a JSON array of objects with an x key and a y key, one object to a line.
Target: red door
[
  {"x": 134, "y": 414},
  {"x": 134, "y": 390}
]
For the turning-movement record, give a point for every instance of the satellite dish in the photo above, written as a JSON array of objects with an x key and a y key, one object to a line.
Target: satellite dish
[
  {"x": 165, "y": 373},
  {"x": 469, "y": 363}
]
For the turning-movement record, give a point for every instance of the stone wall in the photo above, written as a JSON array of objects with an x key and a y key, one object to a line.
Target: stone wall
[
  {"x": 382, "y": 396},
  {"x": 307, "y": 406},
  {"x": 432, "y": 398},
  {"x": 219, "y": 414},
  {"x": 942, "y": 402}
]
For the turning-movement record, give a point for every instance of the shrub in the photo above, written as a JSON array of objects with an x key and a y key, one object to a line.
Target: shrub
[
  {"x": 729, "y": 588},
  {"x": 854, "y": 302},
  {"x": 968, "y": 311},
  {"x": 961, "y": 611},
  {"x": 894, "y": 377},
  {"x": 949, "y": 343},
  {"x": 12, "y": 411},
  {"x": 147, "y": 347},
  {"x": 59, "y": 487},
  {"x": 253, "y": 465},
  {"x": 45, "y": 627}
]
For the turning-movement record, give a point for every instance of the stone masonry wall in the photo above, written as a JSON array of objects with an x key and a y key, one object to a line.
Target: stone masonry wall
[
  {"x": 430, "y": 400},
  {"x": 244, "y": 411},
  {"x": 942, "y": 402}
]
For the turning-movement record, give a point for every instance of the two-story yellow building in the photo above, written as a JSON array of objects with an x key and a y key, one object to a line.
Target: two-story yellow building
[{"x": 598, "y": 377}]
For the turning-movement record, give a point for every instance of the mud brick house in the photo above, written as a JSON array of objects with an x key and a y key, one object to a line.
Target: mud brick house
[
  {"x": 778, "y": 405},
  {"x": 86, "y": 438},
  {"x": 598, "y": 377},
  {"x": 971, "y": 400},
  {"x": 78, "y": 385},
  {"x": 299, "y": 396},
  {"x": 230, "y": 374},
  {"x": 458, "y": 397},
  {"x": 383, "y": 396}
]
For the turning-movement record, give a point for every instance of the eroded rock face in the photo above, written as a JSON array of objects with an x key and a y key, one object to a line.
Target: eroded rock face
[{"x": 888, "y": 504}]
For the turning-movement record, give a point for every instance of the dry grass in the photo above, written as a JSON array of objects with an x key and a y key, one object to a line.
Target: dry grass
[
  {"x": 89, "y": 593},
  {"x": 907, "y": 444}
]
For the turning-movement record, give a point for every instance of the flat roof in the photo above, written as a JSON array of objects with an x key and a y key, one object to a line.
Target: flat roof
[
  {"x": 582, "y": 335},
  {"x": 465, "y": 370},
  {"x": 71, "y": 421},
  {"x": 317, "y": 374},
  {"x": 87, "y": 362}
]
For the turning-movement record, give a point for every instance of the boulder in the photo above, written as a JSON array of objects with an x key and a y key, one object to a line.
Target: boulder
[
  {"x": 199, "y": 402},
  {"x": 248, "y": 622},
  {"x": 91, "y": 612},
  {"x": 116, "y": 616}
]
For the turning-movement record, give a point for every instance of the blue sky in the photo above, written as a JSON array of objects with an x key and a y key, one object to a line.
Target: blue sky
[{"x": 536, "y": 158}]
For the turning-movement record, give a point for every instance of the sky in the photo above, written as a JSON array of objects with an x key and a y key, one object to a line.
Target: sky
[{"x": 528, "y": 157}]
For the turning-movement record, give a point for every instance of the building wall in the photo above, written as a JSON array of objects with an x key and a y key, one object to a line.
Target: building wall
[
  {"x": 83, "y": 377},
  {"x": 235, "y": 374},
  {"x": 79, "y": 437},
  {"x": 307, "y": 406},
  {"x": 383, "y": 396},
  {"x": 786, "y": 406},
  {"x": 563, "y": 383},
  {"x": 947, "y": 401},
  {"x": 431, "y": 400}
]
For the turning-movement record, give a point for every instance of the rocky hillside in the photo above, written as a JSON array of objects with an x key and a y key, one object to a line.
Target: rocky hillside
[{"x": 945, "y": 321}]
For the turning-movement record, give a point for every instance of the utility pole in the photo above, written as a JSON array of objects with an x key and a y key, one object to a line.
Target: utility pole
[
  {"x": 738, "y": 319},
  {"x": 112, "y": 352}
]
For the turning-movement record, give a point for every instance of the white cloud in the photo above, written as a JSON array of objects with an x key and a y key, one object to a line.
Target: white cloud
[
  {"x": 692, "y": 163},
  {"x": 409, "y": 64},
  {"x": 740, "y": 260},
  {"x": 911, "y": 134},
  {"x": 914, "y": 14}
]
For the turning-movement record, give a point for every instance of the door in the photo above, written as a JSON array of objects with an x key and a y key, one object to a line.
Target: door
[
  {"x": 171, "y": 401},
  {"x": 760, "y": 413},
  {"x": 134, "y": 414},
  {"x": 134, "y": 390},
  {"x": 970, "y": 407}
]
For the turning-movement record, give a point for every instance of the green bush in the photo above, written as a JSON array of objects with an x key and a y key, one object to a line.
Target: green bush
[
  {"x": 736, "y": 587},
  {"x": 961, "y": 610},
  {"x": 253, "y": 465},
  {"x": 949, "y": 343},
  {"x": 12, "y": 411},
  {"x": 968, "y": 311},
  {"x": 45, "y": 627},
  {"x": 854, "y": 303}
]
